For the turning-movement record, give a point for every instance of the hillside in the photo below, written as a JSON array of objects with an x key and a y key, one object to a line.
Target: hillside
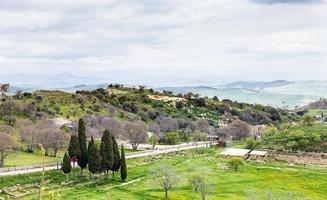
[
  {"x": 174, "y": 119},
  {"x": 137, "y": 102},
  {"x": 280, "y": 93}
]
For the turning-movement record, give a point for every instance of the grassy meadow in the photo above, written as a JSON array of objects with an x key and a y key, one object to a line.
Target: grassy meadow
[{"x": 254, "y": 181}]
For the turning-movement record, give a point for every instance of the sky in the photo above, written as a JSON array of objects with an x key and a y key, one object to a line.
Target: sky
[{"x": 222, "y": 40}]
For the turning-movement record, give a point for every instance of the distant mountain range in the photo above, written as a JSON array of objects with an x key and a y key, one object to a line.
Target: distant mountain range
[
  {"x": 280, "y": 93},
  {"x": 47, "y": 81},
  {"x": 256, "y": 85}
]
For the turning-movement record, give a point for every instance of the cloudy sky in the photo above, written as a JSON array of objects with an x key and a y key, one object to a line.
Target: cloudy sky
[{"x": 161, "y": 39}]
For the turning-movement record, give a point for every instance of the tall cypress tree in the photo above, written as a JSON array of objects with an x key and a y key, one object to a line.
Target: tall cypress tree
[
  {"x": 90, "y": 145},
  {"x": 116, "y": 165},
  {"x": 66, "y": 165},
  {"x": 83, "y": 160},
  {"x": 94, "y": 158},
  {"x": 106, "y": 152},
  {"x": 73, "y": 149},
  {"x": 123, "y": 167}
]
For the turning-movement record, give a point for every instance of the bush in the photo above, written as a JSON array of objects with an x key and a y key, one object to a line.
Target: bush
[
  {"x": 250, "y": 143},
  {"x": 235, "y": 164},
  {"x": 171, "y": 138},
  {"x": 179, "y": 105}
]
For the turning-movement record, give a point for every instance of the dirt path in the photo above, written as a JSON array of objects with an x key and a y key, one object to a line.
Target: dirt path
[{"x": 127, "y": 183}]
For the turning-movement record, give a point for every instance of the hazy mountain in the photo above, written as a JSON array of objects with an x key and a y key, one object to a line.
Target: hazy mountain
[
  {"x": 61, "y": 80},
  {"x": 276, "y": 93},
  {"x": 256, "y": 85},
  {"x": 279, "y": 93}
]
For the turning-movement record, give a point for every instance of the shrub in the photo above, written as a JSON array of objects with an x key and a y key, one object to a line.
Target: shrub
[
  {"x": 171, "y": 138},
  {"x": 250, "y": 143},
  {"x": 235, "y": 164}
]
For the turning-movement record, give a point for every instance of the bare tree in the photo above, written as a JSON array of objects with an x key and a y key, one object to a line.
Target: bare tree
[
  {"x": 136, "y": 132},
  {"x": 199, "y": 136},
  {"x": 166, "y": 178},
  {"x": 58, "y": 140},
  {"x": 28, "y": 134},
  {"x": 50, "y": 136},
  {"x": 167, "y": 124},
  {"x": 239, "y": 129},
  {"x": 114, "y": 126},
  {"x": 223, "y": 133},
  {"x": 201, "y": 125},
  {"x": 199, "y": 183},
  {"x": 46, "y": 133},
  {"x": 6, "y": 144},
  {"x": 154, "y": 128}
]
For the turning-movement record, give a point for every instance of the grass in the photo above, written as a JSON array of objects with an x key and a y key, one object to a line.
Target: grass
[
  {"x": 22, "y": 158},
  {"x": 19, "y": 158},
  {"x": 317, "y": 112},
  {"x": 253, "y": 181}
]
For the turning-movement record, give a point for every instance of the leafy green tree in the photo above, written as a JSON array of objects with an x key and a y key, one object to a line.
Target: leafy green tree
[
  {"x": 66, "y": 165},
  {"x": 235, "y": 163},
  {"x": 94, "y": 158},
  {"x": 116, "y": 164},
  {"x": 83, "y": 160},
  {"x": 73, "y": 149},
  {"x": 4, "y": 88},
  {"x": 123, "y": 167},
  {"x": 106, "y": 152}
]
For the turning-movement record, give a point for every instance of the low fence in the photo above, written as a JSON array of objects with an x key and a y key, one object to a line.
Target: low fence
[{"x": 28, "y": 167}]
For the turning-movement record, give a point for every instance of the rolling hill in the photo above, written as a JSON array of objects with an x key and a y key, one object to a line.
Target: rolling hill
[{"x": 276, "y": 93}]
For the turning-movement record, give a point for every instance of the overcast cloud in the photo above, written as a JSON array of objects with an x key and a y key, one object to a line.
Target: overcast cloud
[{"x": 226, "y": 39}]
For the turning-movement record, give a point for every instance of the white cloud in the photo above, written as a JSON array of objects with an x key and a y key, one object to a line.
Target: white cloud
[{"x": 220, "y": 38}]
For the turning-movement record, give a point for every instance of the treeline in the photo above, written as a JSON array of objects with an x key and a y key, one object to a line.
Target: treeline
[
  {"x": 104, "y": 159},
  {"x": 320, "y": 104}
]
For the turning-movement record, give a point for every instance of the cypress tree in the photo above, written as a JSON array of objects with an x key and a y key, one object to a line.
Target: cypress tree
[
  {"x": 123, "y": 167},
  {"x": 83, "y": 160},
  {"x": 66, "y": 165},
  {"x": 73, "y": 149},
  {"x": 116, "y": 165},
  {"x": 106, "y": 152},
  {"x": 94, "y": 158},
  {"x": 90, "y": 145}
]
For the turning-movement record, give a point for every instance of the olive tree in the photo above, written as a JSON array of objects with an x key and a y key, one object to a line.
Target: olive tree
[
  {"x": 199, "y": 182},
  {"x": 165, "y": 177}
]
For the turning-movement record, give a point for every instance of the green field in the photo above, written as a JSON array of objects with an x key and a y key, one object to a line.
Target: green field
[
  {"x": 253, "y": 181},
  {"x": 16, "y": 159},
  {"x": 19, "y": 158}
]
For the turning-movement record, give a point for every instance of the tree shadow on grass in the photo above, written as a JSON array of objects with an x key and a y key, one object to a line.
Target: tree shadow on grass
[{"x": 140, "y": 194}]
